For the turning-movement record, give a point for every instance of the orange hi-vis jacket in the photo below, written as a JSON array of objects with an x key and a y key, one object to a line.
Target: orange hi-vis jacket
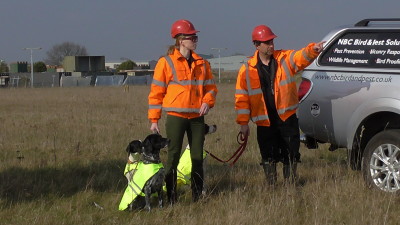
[
  {"x": 249, "y": 99},
  {"x": 180, "y": 90}
]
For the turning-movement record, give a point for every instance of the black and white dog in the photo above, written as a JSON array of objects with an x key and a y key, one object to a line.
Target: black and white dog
[
  {"x": 143, "y": 154},
  {"x": 146, "y": 172},
  {"x": 151, "y": 155}
]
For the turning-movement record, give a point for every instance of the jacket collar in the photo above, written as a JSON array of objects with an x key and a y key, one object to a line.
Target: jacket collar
[
  {"x": 254, "y": 59},
  {"x": 179, "y": 56}
]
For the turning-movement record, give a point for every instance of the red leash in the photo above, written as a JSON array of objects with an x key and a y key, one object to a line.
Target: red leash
[{"x": 242, "y": 140}]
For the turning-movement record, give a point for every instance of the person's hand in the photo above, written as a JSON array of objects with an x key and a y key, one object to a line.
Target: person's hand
[
  {"x": 204, "y": 108},
  {"x": 318, "y": 47},
  {"x": 245, "y": 130},
  {"x": 154, "y": 128}
]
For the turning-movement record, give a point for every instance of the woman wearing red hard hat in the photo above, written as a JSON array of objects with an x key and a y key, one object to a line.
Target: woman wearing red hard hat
[
  {"x": 184, "y": 87},
  {"x": 266, "y": 93}
]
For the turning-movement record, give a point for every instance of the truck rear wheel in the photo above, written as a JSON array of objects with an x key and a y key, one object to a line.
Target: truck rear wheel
[{"x": 381, "y": 161}]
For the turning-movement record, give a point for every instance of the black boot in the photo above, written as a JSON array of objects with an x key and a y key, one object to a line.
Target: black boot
[
  {"x": 197, "y": 186},
  {"x": 170, "y": 184},
  {"x": 290, "y": 172},
  {"x": 270, "y": 171}
]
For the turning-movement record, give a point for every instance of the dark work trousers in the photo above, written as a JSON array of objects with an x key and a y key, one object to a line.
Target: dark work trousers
[
  {"x": 176, "y": 128},
  {"x": 280, "y": 142}
]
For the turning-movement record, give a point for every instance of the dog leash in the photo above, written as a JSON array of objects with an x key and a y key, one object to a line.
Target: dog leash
[{"x": 242, "y": 140}]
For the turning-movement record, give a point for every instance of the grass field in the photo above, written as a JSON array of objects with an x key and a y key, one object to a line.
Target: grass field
[{"x": 62, "y": 154}]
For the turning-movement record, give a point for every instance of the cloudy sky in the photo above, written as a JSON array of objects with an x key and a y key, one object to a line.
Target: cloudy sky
[{"x": 140, "y": 29}]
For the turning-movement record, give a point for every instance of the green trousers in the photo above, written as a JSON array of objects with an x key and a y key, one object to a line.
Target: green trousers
[{"x": 176, "y": 127}]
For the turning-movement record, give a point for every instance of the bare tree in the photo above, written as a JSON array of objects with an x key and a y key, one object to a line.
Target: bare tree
[{"x": 56, "y": 54}]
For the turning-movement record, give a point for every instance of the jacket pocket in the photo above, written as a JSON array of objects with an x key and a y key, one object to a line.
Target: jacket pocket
[
  {"x": 181, "y": 74},
  {"x": 173, "y": 93}
]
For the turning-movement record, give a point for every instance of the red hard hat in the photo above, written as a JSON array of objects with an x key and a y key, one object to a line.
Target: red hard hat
[
  {"x": 262, "y": 33},
  {"x": 182, "y": 27}
]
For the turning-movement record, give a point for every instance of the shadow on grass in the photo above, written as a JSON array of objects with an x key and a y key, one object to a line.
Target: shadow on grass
[
  {"x": 224, "y": 178},
  {"x": 21, "y": 184}
]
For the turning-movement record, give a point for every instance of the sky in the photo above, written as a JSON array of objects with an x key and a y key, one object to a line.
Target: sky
[{"x": 140, "y": 29}]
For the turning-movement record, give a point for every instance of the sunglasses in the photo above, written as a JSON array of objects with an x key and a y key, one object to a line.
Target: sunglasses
[{"x": 193, "y": 38}]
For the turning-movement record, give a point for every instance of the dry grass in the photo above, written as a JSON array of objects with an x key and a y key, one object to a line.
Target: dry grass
[{"x": 62, "y": 149}]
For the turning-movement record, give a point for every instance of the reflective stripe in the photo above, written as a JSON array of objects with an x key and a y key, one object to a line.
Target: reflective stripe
[
  {"x": 171, "y": 65},
  {"x": 208, "y": 82},
  {"x": 212, "y": 92},
  {"x": 289, "y": 78},
  {"x": 188, "y": 82},
  {"x": 292, "y": 107},
  {"x": 184, "y": 82},
  {"x": 173, "y": 82},
  {"x": 248, "y": 79},
  {"x": 291, "y": 60},
  {"x": 305, "y": 56},
  {"x": 154, "y": 106},
  {"x": 241, "y": 92},
  {"x": 199, "y": 82},
  {"x": 256, "y": 91},
  {"x": 137, "y": 189},
  {"x": 250, "y": 90},
  {"x": 258, "y": 118},
  {"x": 285, "y": 67},
  {"x": 243, "y": 111},
  {"x": 186, "y": 110},
  {"x": 159, "y": 83}
]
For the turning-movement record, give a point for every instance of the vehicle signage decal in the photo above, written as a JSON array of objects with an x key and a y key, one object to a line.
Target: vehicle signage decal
[
  {"x": 315, "y": 110},
  {"x": 374, "y": 49}
]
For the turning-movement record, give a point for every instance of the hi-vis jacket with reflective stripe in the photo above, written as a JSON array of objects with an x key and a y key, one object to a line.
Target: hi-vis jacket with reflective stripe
[
  {"x": 249, "y": 99},
  {"x": 181, "y": 90}
]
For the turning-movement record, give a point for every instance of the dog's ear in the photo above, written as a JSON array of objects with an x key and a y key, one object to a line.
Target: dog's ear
[
  {"x": 134, "y": 147},
  {"x": 147, "y": 141}
]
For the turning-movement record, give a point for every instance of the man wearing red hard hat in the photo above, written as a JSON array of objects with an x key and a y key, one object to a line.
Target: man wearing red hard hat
[{"x": 266, "y": 93}]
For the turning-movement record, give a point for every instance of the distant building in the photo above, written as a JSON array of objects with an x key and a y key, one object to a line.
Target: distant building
[
  {"x": 230, "y": 63},
  {"x": 113, "y": 65},
  {"x": 137, "y": 72},
  {"x": 152, "y": 64},
  {"x": 19, "y": 67},
  {"x": 51, "y": 68},
  {"x": 142, "y": 64},
  {"x": 4, "y": 79},
  {"x": 84, "y": 64}
]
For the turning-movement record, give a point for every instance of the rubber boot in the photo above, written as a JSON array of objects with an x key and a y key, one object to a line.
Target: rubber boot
[
  {"x": 197, "y": 186},
  {"x": 290, "y": 172},
  {"x": 170, "y": 184},
  {"x": 270, "y": 172}
]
